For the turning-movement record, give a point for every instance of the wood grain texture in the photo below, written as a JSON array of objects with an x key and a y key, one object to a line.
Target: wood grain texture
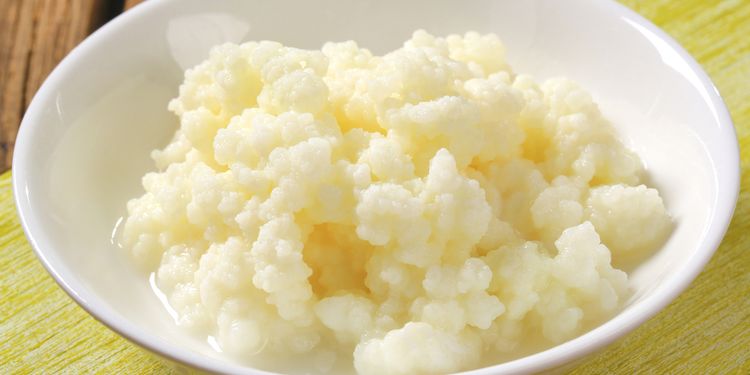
[
  {"x": 34, "y": 36},
  {"x": 131, "y": 3},
  {"x": 706, "y": 330}
]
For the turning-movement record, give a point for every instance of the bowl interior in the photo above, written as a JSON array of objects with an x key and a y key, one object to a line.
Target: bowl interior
[{"x": 86, "y": 139}]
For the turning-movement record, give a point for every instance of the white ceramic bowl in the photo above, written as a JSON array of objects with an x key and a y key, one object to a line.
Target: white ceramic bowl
[{"x": 85, "y": 140}]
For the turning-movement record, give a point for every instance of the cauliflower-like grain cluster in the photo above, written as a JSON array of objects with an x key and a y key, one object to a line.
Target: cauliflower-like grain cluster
[{"x": 407, "y": 213}]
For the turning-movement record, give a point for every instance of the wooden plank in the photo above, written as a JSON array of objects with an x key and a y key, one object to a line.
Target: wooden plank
[
  {"x": 131, "y": 3},
  {"x": 36, "y": 35}
]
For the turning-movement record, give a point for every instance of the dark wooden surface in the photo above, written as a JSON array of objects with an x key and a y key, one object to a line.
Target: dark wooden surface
[{"x": 34, "y": 36}]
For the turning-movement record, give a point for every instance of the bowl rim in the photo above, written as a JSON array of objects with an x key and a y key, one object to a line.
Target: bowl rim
[{"x": 728, "y": 186}]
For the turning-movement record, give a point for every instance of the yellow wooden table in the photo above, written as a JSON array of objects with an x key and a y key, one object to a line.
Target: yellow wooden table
[{"x": 706, "y": 330}]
